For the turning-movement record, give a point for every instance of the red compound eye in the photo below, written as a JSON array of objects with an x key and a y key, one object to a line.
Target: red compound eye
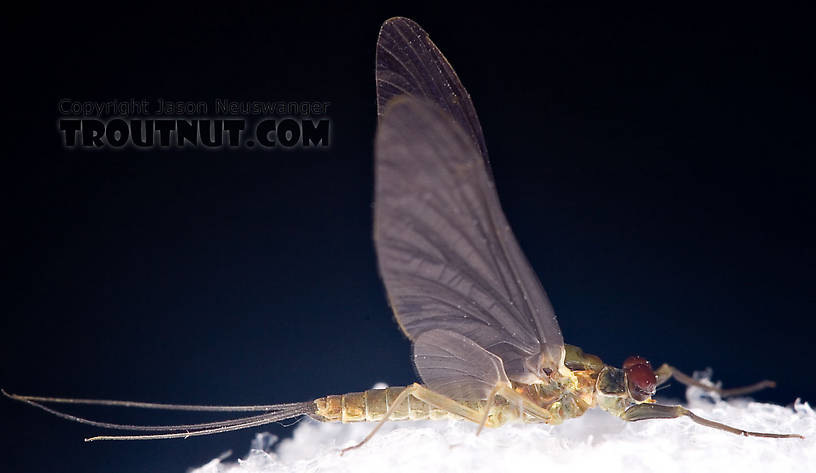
[
  {"x": 642, "y": 382},
  {"x": 635, "y": 360}
]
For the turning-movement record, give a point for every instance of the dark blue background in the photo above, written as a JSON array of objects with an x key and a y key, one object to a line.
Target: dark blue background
[{"x": 657, "y": 168}]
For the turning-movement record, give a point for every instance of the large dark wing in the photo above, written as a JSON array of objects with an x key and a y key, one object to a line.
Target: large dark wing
[
  {"x": 409, "y": 63},
  {"x": 445, "y": 251}
]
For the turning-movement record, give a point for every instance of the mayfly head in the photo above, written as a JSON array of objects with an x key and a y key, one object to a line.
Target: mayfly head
[{"x": 641, "y": 381}]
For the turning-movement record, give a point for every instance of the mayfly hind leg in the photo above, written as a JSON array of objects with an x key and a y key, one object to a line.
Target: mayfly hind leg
[
  {"x": 440, "y": 401},
  {"x": 658, "y": 411},
  {"x": 434, "y": 399},
  {"x": 666, "y": 372}
]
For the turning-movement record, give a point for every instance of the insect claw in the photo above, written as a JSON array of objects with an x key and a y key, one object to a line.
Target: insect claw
[{"x": 344, "y": 450}]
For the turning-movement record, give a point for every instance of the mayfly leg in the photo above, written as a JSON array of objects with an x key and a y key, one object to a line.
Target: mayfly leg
[
  {"x": 429, "y": 397},
  {"x": 666, "y": 372},
  {"x": 440, "y": 401},
  {"x": 658, "y": 411}
]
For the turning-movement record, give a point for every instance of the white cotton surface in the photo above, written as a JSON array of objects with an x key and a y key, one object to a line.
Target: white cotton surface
[{"x": 596, "y": 442}]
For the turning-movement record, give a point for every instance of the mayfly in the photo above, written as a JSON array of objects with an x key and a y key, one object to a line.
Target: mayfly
[{"x": 486, "y": 343}]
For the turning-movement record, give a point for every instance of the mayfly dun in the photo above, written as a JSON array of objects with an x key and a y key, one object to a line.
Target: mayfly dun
[{"x": 486, "y": 343}]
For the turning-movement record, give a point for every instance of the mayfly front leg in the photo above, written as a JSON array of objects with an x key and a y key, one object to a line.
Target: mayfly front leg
[
  {"x": 657, "y": 411},
  {"x": 433, "y": 399},
  {"x": 666, "y": 372}
]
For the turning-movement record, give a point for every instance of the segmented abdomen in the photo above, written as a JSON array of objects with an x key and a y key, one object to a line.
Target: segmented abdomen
[{"x": 372, "y": 405}]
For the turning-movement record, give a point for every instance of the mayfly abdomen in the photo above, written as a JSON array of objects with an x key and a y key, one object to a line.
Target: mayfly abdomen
[{"x": 371, "y": 405}]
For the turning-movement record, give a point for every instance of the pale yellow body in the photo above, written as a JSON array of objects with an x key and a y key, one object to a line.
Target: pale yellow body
[
  {"x": 553, "y": 403},
  {"x": 371, "y": 405}
]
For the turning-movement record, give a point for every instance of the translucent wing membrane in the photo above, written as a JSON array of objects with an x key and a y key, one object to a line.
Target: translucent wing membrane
[
  {"x": 456, "y": 366},
  {"x": 409, "y": 63},
  {"x": 446, "y": 253}
]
